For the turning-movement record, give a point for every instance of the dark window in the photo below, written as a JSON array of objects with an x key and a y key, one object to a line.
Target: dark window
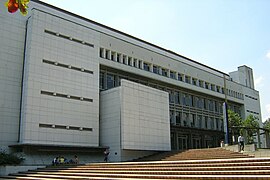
[
  {"x": 180, "y": 77},
  {"x": 164, "y": 72},
  {"x": 110, "y": 81},
  {"x": 155, "y": 69},
  {"x": 178, "y": 118},
  {"x": 146, "y": 66},
  {"x": 172, "y": 75}
]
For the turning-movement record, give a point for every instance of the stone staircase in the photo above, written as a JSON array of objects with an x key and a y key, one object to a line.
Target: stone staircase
[
  {"x": 193, "y": 154},
  {"x": 198, "y": 168}
]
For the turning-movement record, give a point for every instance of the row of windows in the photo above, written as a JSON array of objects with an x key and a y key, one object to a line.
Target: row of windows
[
  {"x": 186, "y": 99},
  {"x": 65, "y": 127},
  {"x": 176, "y": 97},
  {"x": 253, "y": 112},
  {"x": 196, "y": 121},
  {"x": 210, "y": 108},
  {"x": 251, "y": 97},
  {"x": 55, "y": 63},
  {"x": 156, "y": 69},
  {"x": 66, "y": 96},
  {"x": 68, "y": 38}
]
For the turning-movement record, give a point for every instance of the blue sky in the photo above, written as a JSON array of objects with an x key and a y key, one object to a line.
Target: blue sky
[{"x": 223, "y": 34}]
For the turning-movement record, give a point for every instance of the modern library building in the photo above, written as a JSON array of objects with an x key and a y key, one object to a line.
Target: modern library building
[{"x": 69, "y": 85}]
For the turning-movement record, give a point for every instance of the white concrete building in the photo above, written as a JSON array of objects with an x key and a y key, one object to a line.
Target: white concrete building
[{"x": 70, "y": 85}]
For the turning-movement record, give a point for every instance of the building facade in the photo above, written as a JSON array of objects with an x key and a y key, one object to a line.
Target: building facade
[{"x": 72, "y": 85}]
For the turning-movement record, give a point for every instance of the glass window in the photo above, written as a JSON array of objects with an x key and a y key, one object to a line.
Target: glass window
[
  {"x": 193, "y": 122},
  {"x": 206, "y": 85},
  {"x": 212, "y": 122},
  {"x": 124, "y": 59},
  {"x": 173, "y": 75},
  {"x": 205, "y": 104},
  {"x": 164, "y": 72},
  {"x": 101, "y": 80},
  {"x": 135, "y": 62},
  {"x": 110, "y": 81},
  {"x": 140, "y": 64},
  {"x": 187, "y": 79},
  {"x": 199, "y": 117},
  {"x": 171, "y": 96},
  {"x": 180, "y": 77},
  {"x": 177, "y": 97},
  {"x": 113, "y": 56},
  {"x": 218, "y": 88},
  {"x": 217, "y": 123},
  {"x": 107, "y": 52},
  {"x": 213, "y": 87},
  {"x": 194, "y": 81},
  {"x": 178, "y": 118},
  {"x": 101, "y": 50},
  {"x": 129, "y": 61},
  {"x": 186, "y": 119},
  {"x": 155, "y": 69},
  {"x": 201, "y": 83},
  {"x": 146, "y": 66},
  {"x": 205, "y": 122},
  {"x": 172, "y": 117},
  {"x": 118, "y": 57}
]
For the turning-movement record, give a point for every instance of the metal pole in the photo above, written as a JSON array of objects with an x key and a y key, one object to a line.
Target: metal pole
[
  {"x": 225, "y": 115},
  {"x": 225, "y": 123}
]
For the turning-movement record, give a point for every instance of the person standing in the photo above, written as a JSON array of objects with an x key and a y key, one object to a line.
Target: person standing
[
  {"x": 106, "y": 154},
  {"x": 241, "y": 142}
]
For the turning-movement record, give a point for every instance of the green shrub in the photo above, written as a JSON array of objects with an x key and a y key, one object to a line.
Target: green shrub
[{"x": 9, "y": 159}]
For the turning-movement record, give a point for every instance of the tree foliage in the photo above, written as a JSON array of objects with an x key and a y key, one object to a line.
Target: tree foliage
[
  {"x": 234, "y": 119},
  {"x": 266, "y": 124},
  {"x": 9, "y": 159},
  {"x": 252, "y": 125}
]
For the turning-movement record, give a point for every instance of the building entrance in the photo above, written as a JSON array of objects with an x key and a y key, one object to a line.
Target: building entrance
[{"x": 182, "y": 142}]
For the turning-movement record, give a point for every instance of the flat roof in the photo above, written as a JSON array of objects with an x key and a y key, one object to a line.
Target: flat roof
[{"x": 125, "y": 34}]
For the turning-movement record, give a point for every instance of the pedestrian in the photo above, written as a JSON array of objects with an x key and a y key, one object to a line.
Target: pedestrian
[
  {"x": 106, "y": 154},
  {"x": 241, "y": 142}
]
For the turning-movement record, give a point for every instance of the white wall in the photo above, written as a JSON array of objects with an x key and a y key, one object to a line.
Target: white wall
[
  {"x": 110, "y": 112},
  {"x": 12, "y": 36},
  {"x": 134, "y": 121},
  {"x": 65, "y": 111},
  {"x": 145, "y": 123}
]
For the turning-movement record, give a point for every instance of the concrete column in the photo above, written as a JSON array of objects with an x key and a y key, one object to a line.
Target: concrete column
[
  {"x": 151, "y": 67},
  {"x": 121, "y": 58},
  {"x": 103, "y": 53},
  {"x": 259, "y": 139},
  {"x": 267, "y": 139},
  {"x": 109, "y": 54},
  {"x": 132, "y": 60}
]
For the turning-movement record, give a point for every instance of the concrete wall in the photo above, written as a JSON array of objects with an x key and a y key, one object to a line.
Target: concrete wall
[
  {"x": 110, "y": 128},
  {"x": 60, "y": 92},
  {"x": 145, "y": 121},
  {"x": 134, "y": 121},
  {"x": 12, "y": 38}
]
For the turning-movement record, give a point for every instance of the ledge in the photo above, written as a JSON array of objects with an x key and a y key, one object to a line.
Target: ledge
[{"x": 58, "y": 148}]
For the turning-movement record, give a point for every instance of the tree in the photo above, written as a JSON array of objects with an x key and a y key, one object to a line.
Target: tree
[
  {"x": 266, "y": 124},
  {"x": 252, "y": 125},
  {"x": 234, "y": 119},
  {"x": 234, "y": 123}
]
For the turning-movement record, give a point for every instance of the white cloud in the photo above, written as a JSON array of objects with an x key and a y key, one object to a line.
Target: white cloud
[
  {"x": 268, "y": 55},
  {"x": 258, "y": 82}
]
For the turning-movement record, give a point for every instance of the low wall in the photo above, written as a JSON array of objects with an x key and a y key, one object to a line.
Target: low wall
[
  {"x": 235, "y": 148},
  {"x": 6, "y": 170}
]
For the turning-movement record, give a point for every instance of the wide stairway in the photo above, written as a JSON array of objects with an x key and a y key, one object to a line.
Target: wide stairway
[
  {"x": 208, "y": 168},
  {"x": 193, "y": 154}
]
